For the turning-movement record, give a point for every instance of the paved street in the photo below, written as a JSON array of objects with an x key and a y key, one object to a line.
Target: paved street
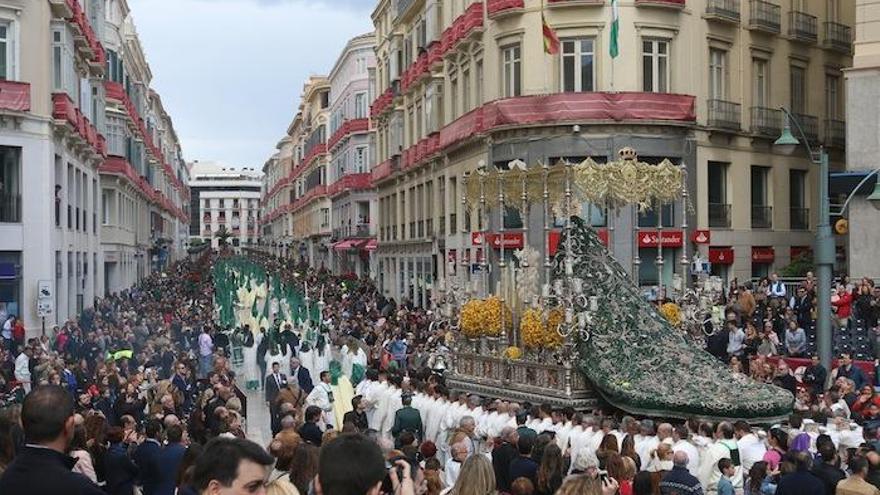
[{"x": 258, "y": 428}]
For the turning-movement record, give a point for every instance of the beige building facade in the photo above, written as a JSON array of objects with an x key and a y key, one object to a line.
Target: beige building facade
[{"x": 463, "y": 84}]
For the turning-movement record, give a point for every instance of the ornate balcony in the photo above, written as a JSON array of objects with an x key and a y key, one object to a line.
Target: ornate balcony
[
  {"x": 799, "y": 218},
  {"x": 723, "y": 10},
  {"x": 719, "y": 215},
  {"x": 723, "y": 115},
  {"x": 765, "y": 16},
  {"x": 802, "y": 27},
  {"x": 835, "y": 133},
  {"x": 766, "y": 122},
  {"x": 498, "y": 8},
  {"x": 15, "y": 96},
  {"x": 676, "y": 4},
  {"x": 762, "y": 217},
  {"x": 838, "y": 37},
  {"x": 809, "y": 124}
]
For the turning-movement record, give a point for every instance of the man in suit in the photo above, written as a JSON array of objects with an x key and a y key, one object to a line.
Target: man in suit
[
  {"x": 274, "y": 383},
  {"x": 42, "y": 466},
  {"x": 407, "y": 418},
  {"x": 146, "y": 457},
  {"x": 300, "y": 375},
  {"x": 169, "y": 461}
]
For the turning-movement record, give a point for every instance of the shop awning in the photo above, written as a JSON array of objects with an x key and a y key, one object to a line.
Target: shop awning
[
  {"x": 371, "y": 245},
  {"x": 345, "y": 244}
]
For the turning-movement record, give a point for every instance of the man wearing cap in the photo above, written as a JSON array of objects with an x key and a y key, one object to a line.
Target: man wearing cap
[{"x": 407, "y": 418}]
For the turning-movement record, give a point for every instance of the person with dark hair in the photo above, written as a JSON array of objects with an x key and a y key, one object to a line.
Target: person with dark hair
[
  {"x": 358, "y": 415},
  {"x": 352, "y": 464},
  {"x": 856, "y": 484},
  {"x": 778, "y": 442},
  {"x": 310, "y": 431},
  {"x": 231, "y": 465},
  {"x": 304, "y": 466},
  {"x": 184, "y": 476},
  {"x": 524, "y": 466},
  {"x": 120, "y": 472},
  {"x": 800, "y": 481},
  {"x": 407, "y": 418},
  {"x": 550, "y": 471},
  {"x": 169, "y": 460},
  {"x": 42, "y": 466},
  {"x": 725, "y": 447},
  {"x": 146, "y": 457},
  {"x": 725, "y": 485},
  {"x": 826, "y": 467}
]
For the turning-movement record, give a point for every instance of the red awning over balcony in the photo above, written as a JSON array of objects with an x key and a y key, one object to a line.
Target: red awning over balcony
[
  {"x": 346, "y": 244},
  {"x": 15, "y": 96}
]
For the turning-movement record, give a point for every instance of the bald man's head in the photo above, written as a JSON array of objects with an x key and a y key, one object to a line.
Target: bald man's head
[{"x": 680, "y": 459}]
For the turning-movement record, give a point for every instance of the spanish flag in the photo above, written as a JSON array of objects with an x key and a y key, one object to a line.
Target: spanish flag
[{"x": 551, "y": 41}]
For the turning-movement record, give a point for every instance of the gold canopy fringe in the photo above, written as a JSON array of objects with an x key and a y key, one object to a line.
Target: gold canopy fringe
[{"x": 613, "y": 185}]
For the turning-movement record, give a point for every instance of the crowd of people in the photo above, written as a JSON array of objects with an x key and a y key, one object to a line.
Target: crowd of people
[{"x": 143, "y": 393}]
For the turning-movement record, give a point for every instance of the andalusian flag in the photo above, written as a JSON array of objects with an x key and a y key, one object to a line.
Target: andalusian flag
[
  {"x": 613, "y": 49},
  {"x": 551, "y": 41}
]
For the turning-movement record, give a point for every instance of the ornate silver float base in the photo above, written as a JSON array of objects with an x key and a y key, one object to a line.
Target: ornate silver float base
[{"x": 521, "y": 380}]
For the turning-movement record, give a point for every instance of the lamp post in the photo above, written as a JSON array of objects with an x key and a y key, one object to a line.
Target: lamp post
[{"x": 823, "y": 251}]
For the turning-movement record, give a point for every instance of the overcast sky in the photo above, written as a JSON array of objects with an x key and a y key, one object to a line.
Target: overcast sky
[{"x": 230, "y": 72}]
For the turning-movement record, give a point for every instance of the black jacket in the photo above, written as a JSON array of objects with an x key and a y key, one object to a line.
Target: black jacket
[
  {"x": 829, "y": 476},
  {"x": 311, "y": 433},
  {"x": 502, "y": 456},
  {"x": 41, "y": 471},
  {"x": 272, "y": 387},
  {"x": 120, "y": 471}
]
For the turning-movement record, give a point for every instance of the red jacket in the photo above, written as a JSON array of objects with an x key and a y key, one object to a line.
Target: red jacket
[
  {"x": 844, "y": 305},
  {"x": 18, "y": 332}
]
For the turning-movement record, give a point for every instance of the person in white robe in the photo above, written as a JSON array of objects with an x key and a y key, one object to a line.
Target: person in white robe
[
  {"x": 393, "y": 401},
  {"x": 375, "y": 400},
  {"x": 322, "y": 397},
  {"x": 682, "y": 443}
]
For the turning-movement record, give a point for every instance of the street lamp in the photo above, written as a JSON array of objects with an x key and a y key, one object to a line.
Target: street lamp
[{"x": 824, "y": 245}]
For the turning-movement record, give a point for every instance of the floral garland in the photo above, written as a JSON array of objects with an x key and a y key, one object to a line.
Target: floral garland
[
  {"x": 672, "y": 313},
  {"x": 484, "y": 317},
  {"x": 538, "y": 334}
]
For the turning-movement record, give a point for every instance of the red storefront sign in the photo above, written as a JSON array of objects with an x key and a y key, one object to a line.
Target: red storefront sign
[
  {"x": 797, "y": 251},
  {"x": 763, "y": 254},
  {"x": 721, "y": 256},
  {"x": 701, "y": 237},
  {"x": 671, "y": 238},
  {"x": 554, "y": 236},
  {"x": 510, "y": 240}
]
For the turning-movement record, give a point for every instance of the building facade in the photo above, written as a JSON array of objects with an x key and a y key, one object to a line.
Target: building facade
[
  {"x": 318, "y": 201},
  {"x": 863, "y": 144},
  {"x": 225, "y": 204},
  {"x": 464, "y": 84},
  {"x": 353, "y": 200},
  {"x": 55, "y": 152}
]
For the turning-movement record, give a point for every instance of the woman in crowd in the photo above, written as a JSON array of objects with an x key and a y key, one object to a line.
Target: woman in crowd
[
  {"x": 778, "y": 442},
  {"x": 304, "y": 466},
  {"x": 551, "y": 471},
  {"x": 283, "y": 448},
  {"x": 476, "y": 478}
]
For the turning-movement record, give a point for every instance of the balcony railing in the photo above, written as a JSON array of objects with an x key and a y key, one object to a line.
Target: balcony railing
[
  {"x": 762, "y": 217},
  {"x": 766, "y": 121},
  {"x": 838, "y": 37},
  {"x": 362, "y": 230},
  {"x": 765, "y": 16},
  {"x": 802, "y": 27},
  {"x": 723, "y": 114},
  {"x": 15, "y": 96},
  {"x": 835, "y": 133},
  {"x": 679, "y": 4},
  {"x": 723, "y": 10},
  {"x": 10, "y": 208},
  {"x": 799, "y": 218},
  {"x": 719, "y": 215},
  {"x": 809, "y": 124}
]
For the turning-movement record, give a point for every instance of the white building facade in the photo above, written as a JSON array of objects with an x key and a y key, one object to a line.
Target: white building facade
[
  {"x": 353, "y": 199},
  {"x": 224, "y": 199},
  {"x": 53, "y": 154}
]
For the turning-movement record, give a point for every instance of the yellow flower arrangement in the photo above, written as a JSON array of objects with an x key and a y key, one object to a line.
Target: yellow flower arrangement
[
  {"x": 513, "y": 353},
  {"x": 552, "y": 339},
  {"x": 472, "y": 315},
  {"x": 672, "y": 313},
  {"x": 493, "y": 310},
  {"x": 531, "y": 328}
]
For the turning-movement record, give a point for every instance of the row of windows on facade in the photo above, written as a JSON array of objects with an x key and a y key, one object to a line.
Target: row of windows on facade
[
  {"x": 345, "y": 112},
  {"x": 235, "y": 203}
]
